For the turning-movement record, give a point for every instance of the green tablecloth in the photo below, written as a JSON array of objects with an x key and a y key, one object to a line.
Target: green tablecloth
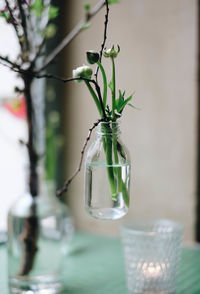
[{"x": 95, "y": 266}]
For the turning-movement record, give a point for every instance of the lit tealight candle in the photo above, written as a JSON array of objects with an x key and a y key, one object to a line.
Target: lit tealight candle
[{"x": 153, "y": 270}]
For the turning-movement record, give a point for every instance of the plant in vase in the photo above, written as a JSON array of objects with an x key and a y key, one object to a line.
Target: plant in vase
[
  {"x": 107, "y": 168},
  {"x": 37, "y": 224}
]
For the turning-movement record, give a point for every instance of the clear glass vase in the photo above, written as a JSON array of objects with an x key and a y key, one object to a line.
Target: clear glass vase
[
  {"x": 39, "y": 229},
  {"x": 107, "y": 174}
]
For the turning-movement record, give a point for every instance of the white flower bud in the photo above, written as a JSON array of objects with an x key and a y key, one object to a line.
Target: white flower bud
[
  {"x": 82, "y": 72},
  {"x": 111, "y": 52}
]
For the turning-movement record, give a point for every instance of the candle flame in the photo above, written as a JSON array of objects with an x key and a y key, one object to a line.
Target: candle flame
[{"x": 153, "y": 270}]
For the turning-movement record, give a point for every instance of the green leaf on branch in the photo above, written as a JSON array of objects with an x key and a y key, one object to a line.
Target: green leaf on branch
[
  {"x": 37, "y": 7},
  {"x": 86, "y": 25},
  {"x": 3, "y": 14},
  {"x": 113, "y": 1},
  {"x": 53, "y": 12},
  {"x": 50, "y": 31},
  {"x": 87, "y": 7}
]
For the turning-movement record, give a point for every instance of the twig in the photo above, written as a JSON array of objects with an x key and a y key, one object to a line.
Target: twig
[
  {"x": 39, "y": 51},
  {"x": 105, "y": 29},
  {"x": 75, "y": 31},
  {"x": 29, "y": 239},
  {"x": 23, "y": 23},
  {"x": 104, "y": 37},
  {"x": 29, "y": 235},
  {"x": 6, "y": 65},
  {"x": 7, "y": 60},
  {"x": 67, "y": 183},
  {"x": 50, "y": 76},
  {"x": 14, "y": 22}
]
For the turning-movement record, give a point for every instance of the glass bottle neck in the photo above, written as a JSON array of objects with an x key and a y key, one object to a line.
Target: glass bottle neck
[{"x": 108, "y": 129}]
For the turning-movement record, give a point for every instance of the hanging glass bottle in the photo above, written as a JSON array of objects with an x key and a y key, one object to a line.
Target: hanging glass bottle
[{"x": 107, "y": 174}]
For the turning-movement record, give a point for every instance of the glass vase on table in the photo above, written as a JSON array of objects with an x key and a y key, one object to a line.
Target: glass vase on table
[
  {"x": 39, "y": 229},
  {"x": 107, "y": 174}
]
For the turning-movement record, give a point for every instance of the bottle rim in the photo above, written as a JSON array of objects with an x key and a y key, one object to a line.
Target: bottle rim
[{"x": 108, "y": 128}]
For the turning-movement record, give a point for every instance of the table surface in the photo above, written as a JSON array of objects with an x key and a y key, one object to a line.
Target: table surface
[{"x": 95, "y": 266}]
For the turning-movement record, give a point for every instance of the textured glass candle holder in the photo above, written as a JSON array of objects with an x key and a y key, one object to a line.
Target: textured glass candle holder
[{"x": 152, "y": 253}]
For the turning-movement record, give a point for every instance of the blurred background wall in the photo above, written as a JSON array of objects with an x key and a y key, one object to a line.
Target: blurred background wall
[{"x": 158, "y": 62}]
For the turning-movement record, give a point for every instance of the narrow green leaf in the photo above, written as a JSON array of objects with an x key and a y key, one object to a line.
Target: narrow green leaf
[
  {"x": 124, "y": 104},
  {"x": 120, "y": 100},
  {"x": 53, "y": 12},
  {"x": 113, "y": 88},
  {"x": 110, "y": 85},
  {"x": 121, "y": 151},
  {"x": 94, "y": 96},
  {"x": 131, "y": 105},
  {"x": 122, "y": 94},
  {"x": 105, "y": 86}
]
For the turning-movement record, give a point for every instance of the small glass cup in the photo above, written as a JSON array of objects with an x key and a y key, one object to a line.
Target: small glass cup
[{"x": 152, "y": 253}]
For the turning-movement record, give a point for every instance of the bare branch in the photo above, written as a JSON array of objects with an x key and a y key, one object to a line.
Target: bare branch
[
  {"x": 14, "y": 22},
  {"x": 6, "y": 65},
  {"x": 39, "y": 51},
  {"x": 9, "y": 62},
  {"x": 24, "y": 24},
  {"x": 105, "y": 29},
  {"x": 49, "y": 76},
  {"x": 14, "y": 67},
  {"x": 75, "y": 31},
  {"x": 68, "y": 182},
  {"x": 104, "y": 37}
]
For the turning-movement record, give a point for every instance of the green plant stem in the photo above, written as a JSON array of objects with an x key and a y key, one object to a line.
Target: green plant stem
[
  {"x": 105, "y": 84},
  {"x": 110, "y": 144},
  {"x": 125, "y": 194},
  {"x": 113, "y": 88},
  {"x": 118, "y": 169},
  {"x": 121, "y": 184},
  {"x": 107, "y": 144},
  {"x": 108, "y": 148},
  {"x": 94, "y": 96}
]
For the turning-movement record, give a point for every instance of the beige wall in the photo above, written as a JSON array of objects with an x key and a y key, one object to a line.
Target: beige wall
[{"x": 158, "y": 56}]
